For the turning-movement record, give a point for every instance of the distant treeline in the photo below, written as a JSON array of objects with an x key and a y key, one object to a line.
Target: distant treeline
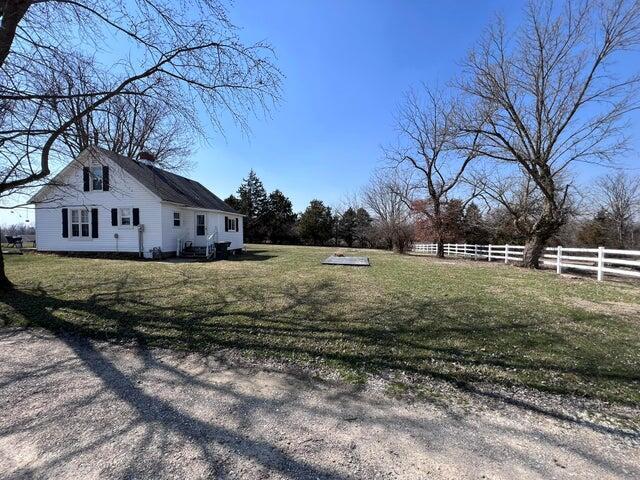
[{"x": 381, "y": 218}]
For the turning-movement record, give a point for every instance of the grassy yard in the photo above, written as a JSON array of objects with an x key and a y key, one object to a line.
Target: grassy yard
[{"x": 461, "y": 322}]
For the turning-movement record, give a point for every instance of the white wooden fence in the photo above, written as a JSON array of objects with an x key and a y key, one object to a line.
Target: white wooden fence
[{"x": 599, "y": 260}]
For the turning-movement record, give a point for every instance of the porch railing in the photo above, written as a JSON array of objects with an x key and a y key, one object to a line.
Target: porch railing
[{"x": 212, "y": 239}]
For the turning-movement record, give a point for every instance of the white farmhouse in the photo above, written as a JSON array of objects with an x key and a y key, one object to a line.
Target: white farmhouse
[{"x": 105, "y": 202}]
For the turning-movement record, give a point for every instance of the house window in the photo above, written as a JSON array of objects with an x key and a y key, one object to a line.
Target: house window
[
  {"x": 96, "y": 177},
  {"x": 79, "y": 223},
  {"x": 200, "y": 223},
  {"x": 176, "y": 219},
  {"x": 125, "y": 217},
  {"x": 230, "y": 224}
]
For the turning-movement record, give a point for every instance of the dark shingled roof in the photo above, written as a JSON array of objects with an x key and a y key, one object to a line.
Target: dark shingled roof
[{"x": 169, "y": 186}]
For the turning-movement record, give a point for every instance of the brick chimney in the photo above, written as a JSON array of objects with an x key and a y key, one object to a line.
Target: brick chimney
[{"x": 147, "y": 157}]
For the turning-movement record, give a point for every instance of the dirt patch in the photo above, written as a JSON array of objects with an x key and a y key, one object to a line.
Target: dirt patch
[{"x": 71, "y": 408}]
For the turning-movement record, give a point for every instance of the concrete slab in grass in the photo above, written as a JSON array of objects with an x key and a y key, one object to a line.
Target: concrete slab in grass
[{"x": 349, "y": 261}]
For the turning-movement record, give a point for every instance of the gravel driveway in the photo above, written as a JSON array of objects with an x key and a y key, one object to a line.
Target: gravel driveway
[{"x": 71, "y": 408}]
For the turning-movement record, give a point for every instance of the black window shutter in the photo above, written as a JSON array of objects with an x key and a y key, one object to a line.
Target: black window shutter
[
  {"x": 85, "y": 178},
  {"x": 65, "y": 223},
  {"x": 114, "y": 217},
  {"x": 136, "y": 216},
  {"x": 237, "y": 225},
  {"x": 105, "y": 178},
  {"x": 226, "y": 224},
  {"x": 94, "y": 223}
]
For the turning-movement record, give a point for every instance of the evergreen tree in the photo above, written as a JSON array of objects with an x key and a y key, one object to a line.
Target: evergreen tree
[
  {"x": 315, "y": 226},
  {"x": 362, "y": 231},
  {"x": 475, "y": 230},
  {"x": 279, "y": 218},
  {"x": 453, "y": 221},
  {"x": 598, "y": 231},
  {"x": 347, "y": 226},
  {"x": 252, "y": 203},
  {"x": 233, "y": 202}
]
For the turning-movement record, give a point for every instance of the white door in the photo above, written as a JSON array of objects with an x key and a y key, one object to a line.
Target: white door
[{"x": 201, "y": 230}]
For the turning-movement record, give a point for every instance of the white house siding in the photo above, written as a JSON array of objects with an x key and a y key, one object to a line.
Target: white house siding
[
  {"x": 187, "y": 229},
  {"x": 170, "y": 233},
  {"x": 123, "y": 192},
  {"x": 236, "y": 238}
]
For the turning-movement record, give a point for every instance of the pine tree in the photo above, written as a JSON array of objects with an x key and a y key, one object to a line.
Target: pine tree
[
  {"x": 347, "y": 226},
  {"x": 252, "y": 203},
  {"x": 598, "y": 231},
  {"x": 475, "y": 230},
  {"x": 233, "y": 202},
  {"x": 362, "y": 231},
  {"x": 315, "y": 226},
  {"x": 279, "y": 218}
]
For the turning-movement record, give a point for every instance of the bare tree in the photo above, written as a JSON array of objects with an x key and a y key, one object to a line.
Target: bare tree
[
  {"x": 545, "y": 96},
  {"x": 184, "y": 52},
  {"x": 388, "y": 197},
  {"x": 618, "y": 194},
  {"x": 432, "y": 146},
  {"x": 517, "y": 194},
  {"x": 517, "y": 198},
  {"x": 128, "y": 124}
]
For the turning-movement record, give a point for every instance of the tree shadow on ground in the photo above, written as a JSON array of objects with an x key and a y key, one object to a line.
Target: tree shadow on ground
[
  {"x": 301, "y": 327},
  {"x": 122, "y": 418},
  {"x": 253, "y": 256},
  {"x": 426, "y": 340}
]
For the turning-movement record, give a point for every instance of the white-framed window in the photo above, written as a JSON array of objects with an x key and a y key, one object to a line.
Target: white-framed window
[
  {"x": 176, "y": 219},
  {"x": 231, "y": 224},
  {"x": 201, "y": 221},
  {"x": 79, "y": 223},
  {"x": 96, "y": 177},
  {"x": 125, "y": 217}
]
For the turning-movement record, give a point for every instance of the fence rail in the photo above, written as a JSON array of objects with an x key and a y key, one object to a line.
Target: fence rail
[{"x": 603, "y": 261}]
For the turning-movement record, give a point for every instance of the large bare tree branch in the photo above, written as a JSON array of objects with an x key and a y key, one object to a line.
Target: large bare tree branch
[{"x": 545, "y": 96}]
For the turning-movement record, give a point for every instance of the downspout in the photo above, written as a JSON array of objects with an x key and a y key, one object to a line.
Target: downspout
[{"x": 140, "y": 240}]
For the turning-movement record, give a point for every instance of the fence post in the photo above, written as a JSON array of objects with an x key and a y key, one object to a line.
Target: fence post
[
  {"x": 506, "y": 253},
  {"x": 600, "y": 264},
  {"x": 489, "y": 254},
  {"x": 475, "y": 252},
  {"x": 559, "y": 260}
]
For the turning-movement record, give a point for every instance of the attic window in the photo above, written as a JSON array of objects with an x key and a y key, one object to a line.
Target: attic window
[{"x": 96, "y": 176}]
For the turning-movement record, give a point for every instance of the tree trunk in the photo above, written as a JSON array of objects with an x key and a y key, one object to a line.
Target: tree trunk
[
  {"x": 395, "y": 244},
  {"x": 438, "y": 227},
  {"x": 533, "y": 250},
  {"x": 12, "y": 13},
  {"x": 5, "y": 284},
  {"x": 547, "y": 225}
]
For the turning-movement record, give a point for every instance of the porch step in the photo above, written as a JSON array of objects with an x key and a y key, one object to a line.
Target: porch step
[{"x": 194, "y": 252}]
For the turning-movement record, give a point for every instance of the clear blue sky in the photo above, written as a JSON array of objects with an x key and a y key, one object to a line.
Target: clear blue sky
[{"x": 347, "y": 64}]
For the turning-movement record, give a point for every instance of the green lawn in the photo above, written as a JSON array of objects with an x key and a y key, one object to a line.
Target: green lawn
[{"x": 462, "y": 322}]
